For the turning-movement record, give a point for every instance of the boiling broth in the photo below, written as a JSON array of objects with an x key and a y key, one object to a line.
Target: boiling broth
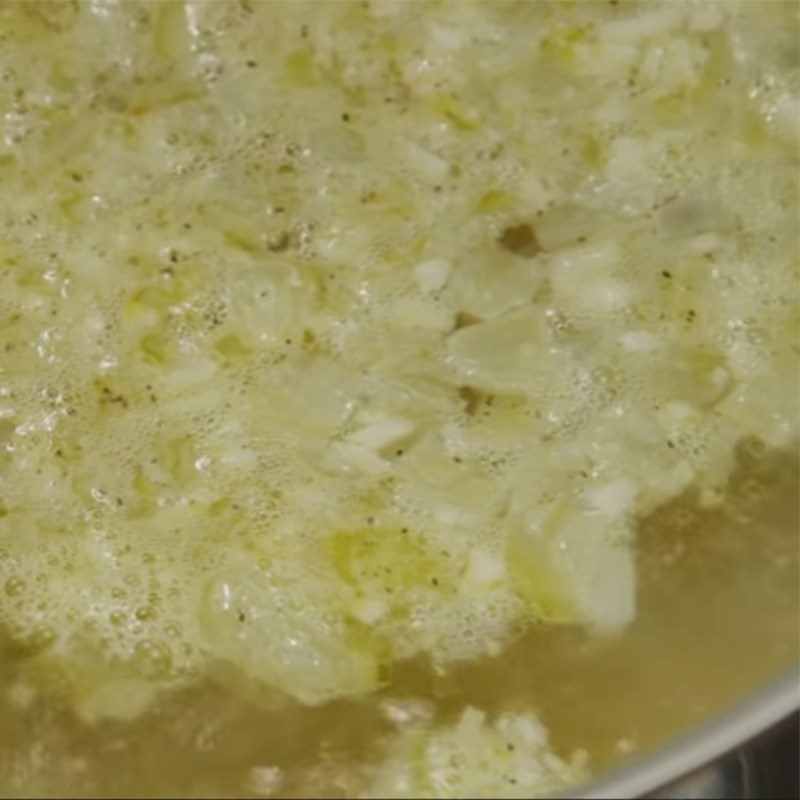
[{"x": 395, "y": 399}]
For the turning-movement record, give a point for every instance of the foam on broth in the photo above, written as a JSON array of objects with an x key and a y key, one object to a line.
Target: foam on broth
[
  {"x": 718, "y": 617},
  {"x": 371, "y": 385}
]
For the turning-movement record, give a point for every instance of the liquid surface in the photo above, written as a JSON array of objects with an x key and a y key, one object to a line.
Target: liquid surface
[{"x": 372, "y": 383}]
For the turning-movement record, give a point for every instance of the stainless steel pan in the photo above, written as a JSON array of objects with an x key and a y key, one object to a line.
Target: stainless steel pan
[{"x": 746, "y": 752}]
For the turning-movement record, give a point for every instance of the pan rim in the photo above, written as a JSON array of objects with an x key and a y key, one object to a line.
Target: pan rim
[{"x": 704, "y": 744}]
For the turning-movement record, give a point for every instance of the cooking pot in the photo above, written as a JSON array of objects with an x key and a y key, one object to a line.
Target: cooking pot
[{"x": 748, "y": 751}]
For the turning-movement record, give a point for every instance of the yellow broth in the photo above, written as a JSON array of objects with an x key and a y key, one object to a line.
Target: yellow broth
[
  {"x": 718, "y": 618},
  {"x": 396, "y": 399}
]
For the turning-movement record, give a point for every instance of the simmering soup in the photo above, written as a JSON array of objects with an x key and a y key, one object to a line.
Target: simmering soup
[{"x": 396, "y": 399}]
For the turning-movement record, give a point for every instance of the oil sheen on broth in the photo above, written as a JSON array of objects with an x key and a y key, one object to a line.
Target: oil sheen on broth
[{"x": 393, "y": 396}]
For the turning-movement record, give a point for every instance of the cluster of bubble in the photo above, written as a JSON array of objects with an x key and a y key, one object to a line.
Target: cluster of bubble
[{"x": 235, "y": 278}]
